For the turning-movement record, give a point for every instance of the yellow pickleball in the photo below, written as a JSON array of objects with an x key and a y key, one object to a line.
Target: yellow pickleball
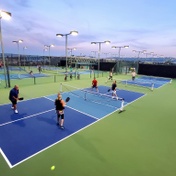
[{"x": 52, "y": 167}]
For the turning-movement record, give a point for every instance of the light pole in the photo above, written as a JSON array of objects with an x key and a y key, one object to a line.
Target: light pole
[
  {"x": 119, "y": 47},
  {"x": 146, "y": 54},
  {"x": 153, "y": 59},
  {"x": 49, "y": 46},
  {"x": 139, "y": 52},
  {"x": 94, "y": 53},
  {"x": 99, "y": 50},
  {"x": 71, "y": 49},
  {"x": 44, "y": 50},
  {"x": 7, "y": 16},
  {"x": 18, "y": 46},
  {"x": 24, "y": 56},
  {"x": 106, "y": 54},
  {"x": 74, "y": 33}
]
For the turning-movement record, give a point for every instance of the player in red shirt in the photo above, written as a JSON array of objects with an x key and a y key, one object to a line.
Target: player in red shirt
[{"x": 94, "y": 84}]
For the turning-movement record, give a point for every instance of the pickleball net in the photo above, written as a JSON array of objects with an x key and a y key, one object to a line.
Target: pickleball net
[
  {"x": 89, "y": 95},
  {"x": 136, "y": 83},
  {"x": 141, "y": 83}
]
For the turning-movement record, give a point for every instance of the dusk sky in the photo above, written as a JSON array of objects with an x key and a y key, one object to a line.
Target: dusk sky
[{"x": 142, "y": 24}]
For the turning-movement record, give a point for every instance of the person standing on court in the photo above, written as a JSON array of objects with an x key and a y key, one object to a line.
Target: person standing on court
[
  {"x": 110, "y": 75},
  {"x": 113, "y": 87},
  {"x": 13, "y": 97},
  {"x": 60, "y": 106},
  {"x": 95, "y": 84},
  {"x": 114, "y": 92},
  {"x": 66, "y": 75},
  {"x": 114, "y": 95},
  {"x": 133, "y": 74}
]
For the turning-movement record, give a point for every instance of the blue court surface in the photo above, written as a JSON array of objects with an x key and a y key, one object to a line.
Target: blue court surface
[
  {"x": 148, "y": 81},
  {"x": 34, "y": 129},
  {"x": 23, "y": 76}
]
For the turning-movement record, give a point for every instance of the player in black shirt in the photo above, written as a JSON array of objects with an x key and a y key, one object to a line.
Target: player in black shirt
[
  {"x": 114, "y": 93},
  {"x": 60, "y": 106}
]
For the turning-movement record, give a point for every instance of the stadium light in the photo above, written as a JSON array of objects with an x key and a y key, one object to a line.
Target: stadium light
[
  {"x": 139, "y": 52},
  {"x": 18, "y": 46},
  {"x": 24, "y": 56},
  {"x": 71, "y": 50},
  {"x": 119, "y": 47},
  {"x": 74, "y": 33},
  {"x": 49, "y": 46},
  {"x": 99, "y": 50},
  {"x": 94, "y": 53},
  {"x": 5, "y": 15}
]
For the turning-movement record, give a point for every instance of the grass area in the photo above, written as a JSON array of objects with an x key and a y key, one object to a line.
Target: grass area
[{"x": 138, "y": 142}]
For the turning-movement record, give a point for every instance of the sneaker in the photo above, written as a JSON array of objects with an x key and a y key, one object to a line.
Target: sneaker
[
  {"x": 58, "y": 124},
  {"x": 12, "y": 107},
  {"x": 62, "y": 127},
  {"x": 16, "y": 111}
]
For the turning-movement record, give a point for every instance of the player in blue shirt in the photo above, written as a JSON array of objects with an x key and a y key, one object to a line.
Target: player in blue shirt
[{"x": 13, "y": 97}]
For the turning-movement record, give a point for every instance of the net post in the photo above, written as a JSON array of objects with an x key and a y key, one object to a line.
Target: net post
[
  {"x": 19, "y": 76},
  {"x": 34, "y": 80},
  {"x": 85, "y": 96},
  {"x": 122, "y": 105},
  {"x": 152, "y": 86},
  {"x": 54, "y": 78}
]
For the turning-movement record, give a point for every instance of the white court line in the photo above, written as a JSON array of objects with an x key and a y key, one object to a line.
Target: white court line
[
  {"x": 84, "y": 113},
  {"x": 6, "y": 159},
  {"x": 53, "y": 144},
  {"x": 33, "y": 115},
  {"x": 27, "y": 117},
  {"x": 30, "y": 116},
  {"x": 77, "y": 110},
  {"x": 97, "y": 120},
  {"x": 70, "y": 134}
]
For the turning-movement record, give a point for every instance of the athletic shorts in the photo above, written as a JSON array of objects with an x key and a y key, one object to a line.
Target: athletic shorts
[
  {"x": 114, "y": 91},
  {"x": 14, "y": 102},
  {"x": 60, "y": 114}
]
